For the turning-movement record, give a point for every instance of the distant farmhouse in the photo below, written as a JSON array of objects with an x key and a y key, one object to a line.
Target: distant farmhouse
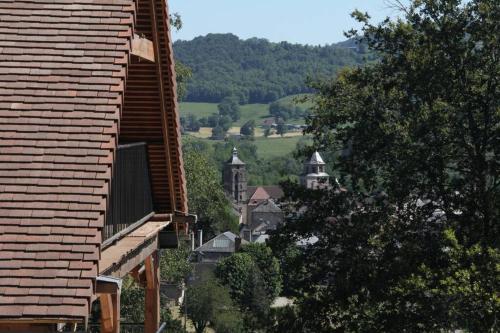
[{"x": 259, "y": 206}]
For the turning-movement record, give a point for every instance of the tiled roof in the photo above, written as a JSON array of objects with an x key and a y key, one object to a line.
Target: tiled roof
[
  {"x": 267, "y": 206},
  {"x": 316, "y": 159},
  {"x": 63, "y": 67},
  {"x": 224, "y": 242},
  {"x": 259, "y": 194},
  {"x": 274, "y": 191}
]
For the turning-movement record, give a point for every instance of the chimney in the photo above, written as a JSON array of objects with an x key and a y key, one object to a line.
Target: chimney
[
  {"x": 237, "y": 244},
  {"x": 192, "y": 240},
  {"x": 200, "y": 237}
]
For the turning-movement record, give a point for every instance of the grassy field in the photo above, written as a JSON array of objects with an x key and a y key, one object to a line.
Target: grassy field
[
  {"x": 271, "y": 147},
  {"x": 292, "y": 98},
  {"x": 255, "y": 112},
  {"x": 276, "y": 147},
  {"x": 198, "y": 109}
]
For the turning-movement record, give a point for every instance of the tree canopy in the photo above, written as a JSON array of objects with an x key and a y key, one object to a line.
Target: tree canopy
[
  {"x": 410, "y": 242},
  {"x": 209, "y": 303},
  {"x": 256, "y": 70}
]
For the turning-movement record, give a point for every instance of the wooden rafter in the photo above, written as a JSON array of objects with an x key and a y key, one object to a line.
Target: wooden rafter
[{"x": 163, "y": 107}]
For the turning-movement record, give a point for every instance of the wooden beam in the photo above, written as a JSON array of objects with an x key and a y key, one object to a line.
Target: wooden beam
[
  {"x": 152, "y": 306},
  {"x": 106, "y": 313},
  {"x": 32, "y": 328},
  {"x": 103, "y": 287},
  {"x": 115, "y": 298},
  {"x": 143, "y": 48},
  {"x": 110, "y": 313}
]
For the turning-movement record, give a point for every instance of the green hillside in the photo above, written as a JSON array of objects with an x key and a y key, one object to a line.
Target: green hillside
[{"x": 256, "y": 70}]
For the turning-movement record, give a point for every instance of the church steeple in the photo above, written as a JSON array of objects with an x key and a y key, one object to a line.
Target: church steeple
[
  {"x": 234, "y": 177},
  {"x": 314, "y": 175}
]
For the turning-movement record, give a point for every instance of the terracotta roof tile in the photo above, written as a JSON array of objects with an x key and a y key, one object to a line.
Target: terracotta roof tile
[
  {"x": 62, "y": 71},
  {"x": 62, "y": 84}
]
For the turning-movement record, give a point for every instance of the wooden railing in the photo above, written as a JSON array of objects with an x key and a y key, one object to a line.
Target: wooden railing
[{"x": 130, "y": 200}]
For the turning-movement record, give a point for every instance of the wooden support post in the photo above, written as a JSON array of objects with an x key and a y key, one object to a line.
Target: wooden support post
[
  {"x": 115, "y": 298},
  {"x": 152, "y": 306},
  {"x": 110, "y": 313}
]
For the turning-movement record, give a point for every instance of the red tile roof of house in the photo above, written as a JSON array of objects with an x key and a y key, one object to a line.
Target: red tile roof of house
[
  {"x": 259, "y": 194},
  {"x": 274, "y": 191},
  {"x": 63, "y": 70}
]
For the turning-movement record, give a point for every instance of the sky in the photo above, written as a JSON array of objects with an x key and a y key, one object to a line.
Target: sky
[{"x": 314, "y": 22}]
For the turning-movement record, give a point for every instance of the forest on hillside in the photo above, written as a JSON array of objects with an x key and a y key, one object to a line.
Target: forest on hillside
[{"x": 256, "y": 70}]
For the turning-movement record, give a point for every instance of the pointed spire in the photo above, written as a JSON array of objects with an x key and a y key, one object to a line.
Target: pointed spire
[
  {"x": 234, "y": 158},
  {"x": 316, "y": 158}
]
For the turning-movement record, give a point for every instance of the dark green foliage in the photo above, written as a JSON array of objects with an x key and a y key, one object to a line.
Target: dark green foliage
[
  {"x": 292, "y": 270},
  {"x": 229, "y": 107},
  {"x": 286, "y": 319},
  {"x": 255, "y": 70},
  {"x": 248, "y": 128},
  {"x": 218, "y": 133},
  {"x": 281, "y": 128},
  {"x": 245, "y": 282},
  {"x": 235, "y": 272},
  {"x": 269, "y": 267},
  {"x": 190, "y": 123},
  {"x": 412, "y": 244},
  {"x": 132, "y": 305},
  {"x": 229, "y": 321},
  {"x": 286, "y": 111},
  {"x": 183, "y": 75},
  {"x": 175, "y": 265},
  {"x": 254, "y": 280},
  {"x": 209, "y": 303}
]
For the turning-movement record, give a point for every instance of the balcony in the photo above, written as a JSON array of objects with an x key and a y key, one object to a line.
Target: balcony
[{"x": 130, "y": 201}]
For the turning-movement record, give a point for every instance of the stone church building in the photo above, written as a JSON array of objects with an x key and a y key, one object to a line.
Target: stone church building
[{"x": 259, "y": 206}]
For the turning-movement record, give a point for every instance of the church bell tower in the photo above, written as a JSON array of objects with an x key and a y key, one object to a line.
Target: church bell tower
[
  {"x": 234, "y": 177},
  {"x": 314, "y": 175}
]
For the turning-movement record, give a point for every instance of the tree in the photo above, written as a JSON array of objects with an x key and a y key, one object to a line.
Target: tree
[
  {"x": 281, "y": 129},
  {"x": 206, "y": 195},
  {"x": 234, "y": 272},
  {"x": 182, "y": 72},
  {"x": 206, "y": 302},
  {"x": 175, "y": 265},
  {"x": 410, "y": 243},
  {"x": 269, "y": 267},
  {"x": 286, "y": 111},
  {"x": 132, "y": 300},
  {"x": 248, "y": 128},
  {"x": 218, "y": 133},
  {"x": 229, "y": 107},
  {"x": 229, "y": 321},
  {"x": 256, "y": 70},
  {"x": 247, "y": 287}
]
